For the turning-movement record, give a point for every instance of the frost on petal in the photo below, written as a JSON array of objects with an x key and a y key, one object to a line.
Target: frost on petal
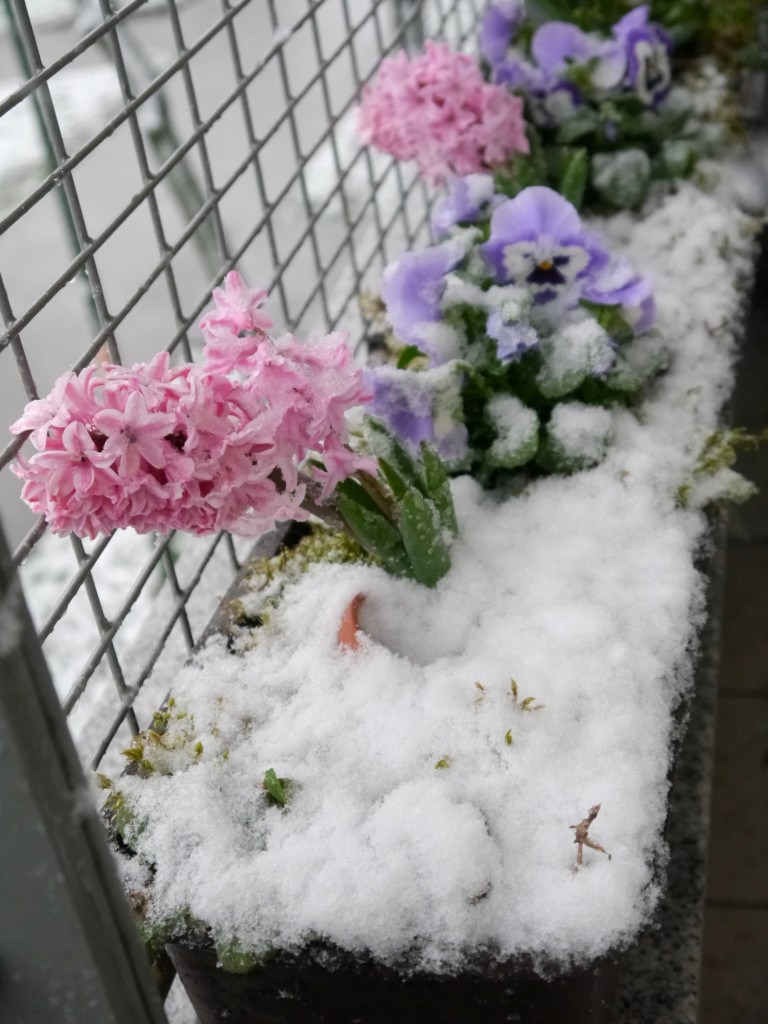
[{"x": 413, "y": 287}]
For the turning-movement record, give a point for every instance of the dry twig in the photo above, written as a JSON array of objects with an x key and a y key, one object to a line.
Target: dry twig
[{"x": 582, "y": 837}]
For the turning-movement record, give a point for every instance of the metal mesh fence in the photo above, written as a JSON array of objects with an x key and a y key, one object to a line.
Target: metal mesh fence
[{"x": 146, "y": 148}]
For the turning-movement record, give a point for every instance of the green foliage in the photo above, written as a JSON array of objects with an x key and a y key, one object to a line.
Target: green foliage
[
  {"x": 233, "y": 959},
  {"x": 713, "y": 477},
  {"x": 610, "y": 319},
  {"x": 406, "y": 518},
  {"x": 275, "y": 788},
  {"x": 574, "y": 175},
  {"x": 422, "y": 535},
  {"x": 408, "y": 355},
  {"x": 524, "y": 170}
]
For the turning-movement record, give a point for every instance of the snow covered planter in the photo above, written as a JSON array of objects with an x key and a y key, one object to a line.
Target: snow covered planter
[{"x": 387, "y": 831}]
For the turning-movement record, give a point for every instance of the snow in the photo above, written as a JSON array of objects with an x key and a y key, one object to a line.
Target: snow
[
  {"x": 581, "y": 432},
  {"x": 429, "y": 807},
  {"x": 84, "y": 98}
]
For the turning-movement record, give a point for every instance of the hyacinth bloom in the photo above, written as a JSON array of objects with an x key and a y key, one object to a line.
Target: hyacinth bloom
[
  {"x": 538, "y": 242},
  {"x": 195, "y": 447},
  {"x": 438, "y": 110}
]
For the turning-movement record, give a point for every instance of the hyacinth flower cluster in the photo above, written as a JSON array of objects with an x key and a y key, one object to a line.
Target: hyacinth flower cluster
[
  {"x": 438, "y": 110},
  {"x": 601, "y": 106},
  {"x": 513, "y": 336},
  {"x": 254, "y": 435}
]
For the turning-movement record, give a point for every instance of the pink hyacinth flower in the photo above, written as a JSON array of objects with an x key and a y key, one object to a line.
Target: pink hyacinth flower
[{"x": 439, "y": 111}]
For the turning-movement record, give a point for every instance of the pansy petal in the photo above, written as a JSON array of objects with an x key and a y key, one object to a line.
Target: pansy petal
[{"x": 557, "y": 41}]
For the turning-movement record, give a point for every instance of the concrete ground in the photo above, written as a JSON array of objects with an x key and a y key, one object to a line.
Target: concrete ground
[{"x": 734, "y": 987}]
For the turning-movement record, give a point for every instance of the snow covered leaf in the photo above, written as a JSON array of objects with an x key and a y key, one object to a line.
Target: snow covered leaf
[
  {"x": 421, "y": 531},
  {"x": 638, "y": 362},
  {"x": 577, "y": 436},
  {"x": 621, "y": 178},
  {"x": 517, "y": 432},
  {"x": 438, "y": 487}
]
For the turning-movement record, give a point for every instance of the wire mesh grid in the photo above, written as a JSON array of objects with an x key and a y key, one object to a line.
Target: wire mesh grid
[{"x": 152, "y": 146}]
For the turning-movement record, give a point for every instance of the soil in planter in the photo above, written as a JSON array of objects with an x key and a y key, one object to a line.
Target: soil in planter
[{"x": 313, "y": 988}]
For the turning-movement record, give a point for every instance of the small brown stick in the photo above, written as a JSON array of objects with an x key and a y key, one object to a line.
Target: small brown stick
[{"x": 582, "y": 837}]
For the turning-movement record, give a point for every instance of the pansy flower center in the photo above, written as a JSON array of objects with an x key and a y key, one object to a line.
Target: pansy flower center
[
  {"x": 546, "y": 267},
  {"x": 653, "y": 74}
]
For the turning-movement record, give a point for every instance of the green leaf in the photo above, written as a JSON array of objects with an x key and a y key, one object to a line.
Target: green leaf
[
  {"x": 524, "y": 171},
  {"x": 235, "y": 960},
  {"x": 396, "y": 483},
  {"x": 444, "y": 762},
  {"x": 421, "y": 531},
  {"x": 573, "y": 177},
  {"x": 622, "y": 178},
  {"x": 376, "y": 534},
  {"x": 676, "y": 160},
  {"x": 508, "y": 737},
  {"x": 577, "y": 127},
  {"x": 395, "y": 452},
  {"x": 610, "y": 319},
  {"x": 352, "y": 491},
  {"x": 275, "y": 787},
  {"x": 407, "y": 356},
  {"x": 438, "y": 487}
]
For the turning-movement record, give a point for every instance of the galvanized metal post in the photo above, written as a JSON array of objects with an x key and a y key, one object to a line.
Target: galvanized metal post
[{"x": 69, "y": 949}]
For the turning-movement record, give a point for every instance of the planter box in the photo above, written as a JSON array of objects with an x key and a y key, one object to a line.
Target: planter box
[
  {"x": 325, "y": 982},
  {"x": 656, "y": 980},
  {"x": 306, "y": 990}
]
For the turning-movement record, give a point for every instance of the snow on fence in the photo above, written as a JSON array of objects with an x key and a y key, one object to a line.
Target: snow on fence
[{"x": 147, "y": 147}]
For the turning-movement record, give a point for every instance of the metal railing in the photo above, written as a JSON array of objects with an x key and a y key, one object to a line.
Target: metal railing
[{"x": 146, "y": 148}]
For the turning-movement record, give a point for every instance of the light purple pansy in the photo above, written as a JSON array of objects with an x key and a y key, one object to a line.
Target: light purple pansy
[
  {"x": 619, "y": 285},
  {"x": 463, "y": 203},
  {"x": 537, "y": 241},
  {"x": 557, "y": 44},
  {"x": 513, "y": 338},
  {"x": 413, "y": 288},
  {"x": 498, "y": 28},
  {"x": 637, "y": 55},
  {"x": 647, "y": 49},
  {"x": 409, "y": 403}
]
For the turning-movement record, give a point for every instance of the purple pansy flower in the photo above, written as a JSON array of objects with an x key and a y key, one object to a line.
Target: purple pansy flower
[
  {"x": 537, "y": 241},
  {"x": 619, "y": 285},
  {"x": 647, "y": 50},
  {"x": 513, "y": 337},
  {"x": 413, "y": 287},
  {"x": 557, "y": 44},
  {"x": 498, "y": 28},
  {"x": 463, "y": 202},
  {"x": 420, "y": 405}
]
